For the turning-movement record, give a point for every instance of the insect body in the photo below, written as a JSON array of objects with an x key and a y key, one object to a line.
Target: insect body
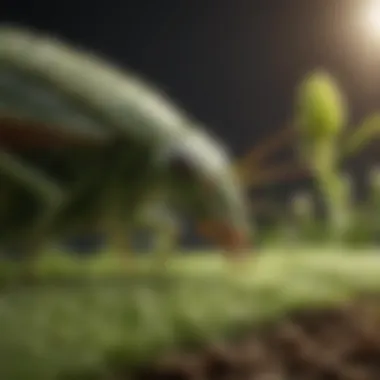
[{"x": 83, "y": 143}]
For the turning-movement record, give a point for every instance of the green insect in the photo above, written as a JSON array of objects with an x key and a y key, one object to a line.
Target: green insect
[{"x": 84, "y": 144}]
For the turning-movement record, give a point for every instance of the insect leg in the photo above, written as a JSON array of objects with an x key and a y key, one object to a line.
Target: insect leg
[
  {"x": 43, "y": 187},
  {"x": 164, "y": 228},
  {"x": 47, "y": 192},
  {"x": 118, "y": 228}
]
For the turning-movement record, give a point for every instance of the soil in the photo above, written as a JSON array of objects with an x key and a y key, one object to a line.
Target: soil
[{"x": 332, "y": 344}]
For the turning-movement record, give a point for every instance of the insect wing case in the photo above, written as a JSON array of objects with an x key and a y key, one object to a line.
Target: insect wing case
[
  {"x": 59, "y": 105},
  {"x": 114, "y": 98}
]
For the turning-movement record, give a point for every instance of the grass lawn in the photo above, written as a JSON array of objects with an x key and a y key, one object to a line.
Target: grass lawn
[{"x": 98, "y": 310}]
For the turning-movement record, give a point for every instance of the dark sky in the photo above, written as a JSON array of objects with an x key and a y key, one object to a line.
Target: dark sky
[{"x": 232, "y": 63}]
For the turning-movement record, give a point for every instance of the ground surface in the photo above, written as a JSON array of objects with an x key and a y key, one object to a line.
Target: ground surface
[
  {"x": 334, "y": 343},
  {"x": 94, "y": 321}
]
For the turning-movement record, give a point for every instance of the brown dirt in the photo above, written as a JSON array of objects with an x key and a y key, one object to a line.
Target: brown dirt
[{"x": 331, "y": 344}]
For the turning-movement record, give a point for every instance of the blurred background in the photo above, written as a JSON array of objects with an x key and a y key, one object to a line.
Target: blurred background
[{"x": 235, "y": 65}]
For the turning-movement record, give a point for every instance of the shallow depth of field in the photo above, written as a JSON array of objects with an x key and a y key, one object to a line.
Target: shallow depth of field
[
  {"x": 304, "y": 305},
  {"x": 86, "y": 326}
]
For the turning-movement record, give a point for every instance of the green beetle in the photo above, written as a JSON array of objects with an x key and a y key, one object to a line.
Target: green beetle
[{"x": 85, "y": 143}]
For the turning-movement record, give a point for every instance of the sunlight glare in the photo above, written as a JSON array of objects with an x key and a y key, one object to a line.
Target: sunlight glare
[{"x": 372, "y": 18}]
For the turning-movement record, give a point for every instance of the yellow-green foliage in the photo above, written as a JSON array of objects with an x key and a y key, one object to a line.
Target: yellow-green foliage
[
  {"x": 362, "y": 135},
  {"x": 375, "y": 181},
  {"x": 321, "y": 112},
  {"x": 321, "y": 115}
]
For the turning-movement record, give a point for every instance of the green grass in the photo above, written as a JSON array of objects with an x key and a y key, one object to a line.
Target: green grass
[{"x": 78, "y": 325}]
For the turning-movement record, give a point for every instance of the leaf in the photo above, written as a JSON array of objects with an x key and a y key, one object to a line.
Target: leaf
[{"x": 367, "y": 131}]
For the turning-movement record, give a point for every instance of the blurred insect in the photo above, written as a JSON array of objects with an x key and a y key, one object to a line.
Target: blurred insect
[{"x": 83, "y": 143}]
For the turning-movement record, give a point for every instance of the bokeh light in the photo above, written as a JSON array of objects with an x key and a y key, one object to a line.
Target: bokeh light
[{"x": 371, "y": 18}]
